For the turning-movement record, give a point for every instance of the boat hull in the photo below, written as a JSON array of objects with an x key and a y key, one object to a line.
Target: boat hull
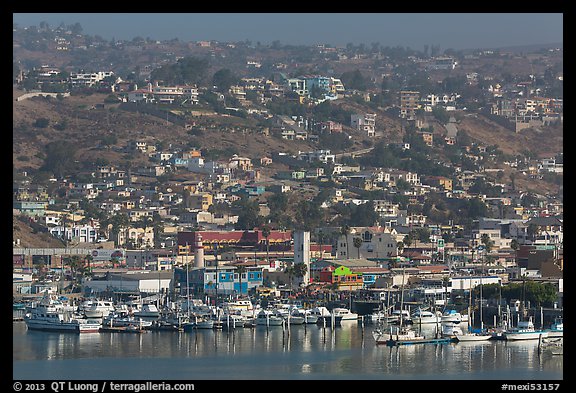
[{"x": 510, "y": 336}]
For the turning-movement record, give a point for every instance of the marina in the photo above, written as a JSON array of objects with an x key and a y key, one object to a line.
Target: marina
[{"x": 308, "y": 351}]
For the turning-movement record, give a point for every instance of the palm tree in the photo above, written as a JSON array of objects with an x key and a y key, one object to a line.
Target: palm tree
[
  {"x": 357, "y": 243},
  {"x": 266, "y": 233},
  {"x": 290, "y": 271},
  {"x": 300, "y": 270}
]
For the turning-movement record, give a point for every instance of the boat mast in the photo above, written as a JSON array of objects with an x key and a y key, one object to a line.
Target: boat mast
[
  {"x": 187, "y": 284},
  {"x": 402, "y": 301}
]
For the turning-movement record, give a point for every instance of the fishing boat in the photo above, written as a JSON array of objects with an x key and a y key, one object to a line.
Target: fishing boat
[
  {"x": 50, "y": 315},
  {"x": 557, "y": 328},
  {"x": 524, "y": 330}
]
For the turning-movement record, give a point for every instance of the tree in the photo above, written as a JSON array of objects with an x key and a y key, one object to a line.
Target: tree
[
  {"x": 300, "y": 270},
  {"x": 223, "y": 79},
  {"x": 60, "y": 156},
  {"x": 400, "y": 246},
  {"x": 357, "y": 241},
  {"x": 266, "y": 234}
]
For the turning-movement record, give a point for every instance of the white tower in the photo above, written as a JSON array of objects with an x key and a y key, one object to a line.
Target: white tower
[
  {"x": 302, "y": 251},
  {"x": 198, "y": 251}
]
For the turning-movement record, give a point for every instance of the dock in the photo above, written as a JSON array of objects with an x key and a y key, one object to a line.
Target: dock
[
  {"x": 443, "y": 340},
  {"x": 122, "y": 329}
]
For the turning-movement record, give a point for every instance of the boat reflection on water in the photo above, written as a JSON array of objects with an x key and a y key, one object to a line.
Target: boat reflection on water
[{"x": 256, "y": 353}]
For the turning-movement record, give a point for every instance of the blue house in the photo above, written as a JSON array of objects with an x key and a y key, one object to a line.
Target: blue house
[{"x": 202, "y": 281}]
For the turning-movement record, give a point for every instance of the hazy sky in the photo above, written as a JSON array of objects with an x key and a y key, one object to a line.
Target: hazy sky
[{"x": 414, "y": 30}]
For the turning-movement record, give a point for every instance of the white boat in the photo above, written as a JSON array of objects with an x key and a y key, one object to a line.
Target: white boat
[
  {"x": 557, "y": 328},
  {"x": 147, "y": 311},
  {"x": 119, "y": 320},
  {"x": 198, "y": 322},
  {"x": 397, "y": 335},
  {"x": 99, "y": 308},
  {"x": 451, "y": 316},
  {"x": 306, "y": 314},
  {"x": 472, "y": 336},
  {"x": 344, "y": 314},
  {"x": 268, "y": 318},
  {"x": 524, "y": 331},
  {"x": 51, "y": 315},
  {"x": 394, "y": 317},
  {"x": 451, "y": 330},
  {"x": 379, "y": 316},
  {"x": 243, "y": 307},
  {"x": 231, "y": 321},
  {"x": 425, "y": 317}
]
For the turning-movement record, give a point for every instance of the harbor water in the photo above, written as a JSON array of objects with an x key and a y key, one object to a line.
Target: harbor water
[{"x": 298, "y": 353}]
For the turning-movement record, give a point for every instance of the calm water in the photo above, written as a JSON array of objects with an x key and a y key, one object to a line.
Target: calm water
[{"x": 310, "y": 352}]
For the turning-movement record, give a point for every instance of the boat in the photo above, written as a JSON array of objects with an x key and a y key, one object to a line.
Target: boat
[
  {"x": 306, "y": 314},
  {"x": 552, "y": 345},
  {"x": 394, "y": 317},
  {"x": 50, "y": 315},
  {"x": 323, "y": 315},
  {"x": 121, "y": 320},
  {"x": 472, "y": 336},
  {"x": 292, "y": 316},
  {"x": 421, "y": 316},
  {"x": 231, "y": 321},
  {"x": 451, "y": 330},
  {"x": 405, "y": 335},
  {"x": 379, "y": 316},
  {"x": 557, "y": 328},
  {"x": 451, "y": 316},
  {"x": 147, "y": 311},
  {"x": 524, "y": 330},
  {"x": 98, "y": 308},
  {"x": 198, "y": 322},
  {"x": 268, "y": 318},
  {"x": 344, "y": 314}
]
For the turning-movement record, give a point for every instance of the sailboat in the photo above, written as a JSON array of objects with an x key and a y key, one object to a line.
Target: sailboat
[
  {"x": 401, "y": 334},
  {"x": 470, "y": 335}
]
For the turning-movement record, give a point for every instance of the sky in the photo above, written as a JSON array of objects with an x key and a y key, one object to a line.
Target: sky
[{"x": 413, "y": 30}]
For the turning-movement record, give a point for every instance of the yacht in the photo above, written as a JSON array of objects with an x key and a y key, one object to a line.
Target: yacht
[
  {"x": 98, "y": 308},
  {"x": 148, "y": 311},
  {"x": 451, "y": 316},
  {"x": 421, "y": 316},
  {"x": 344, "y": 314},
  {"x": 51, "y": 315},
  {"x": 268, "y": 318}
]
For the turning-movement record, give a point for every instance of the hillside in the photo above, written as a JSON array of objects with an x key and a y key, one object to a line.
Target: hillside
[{"x": 87, "y": 125}]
